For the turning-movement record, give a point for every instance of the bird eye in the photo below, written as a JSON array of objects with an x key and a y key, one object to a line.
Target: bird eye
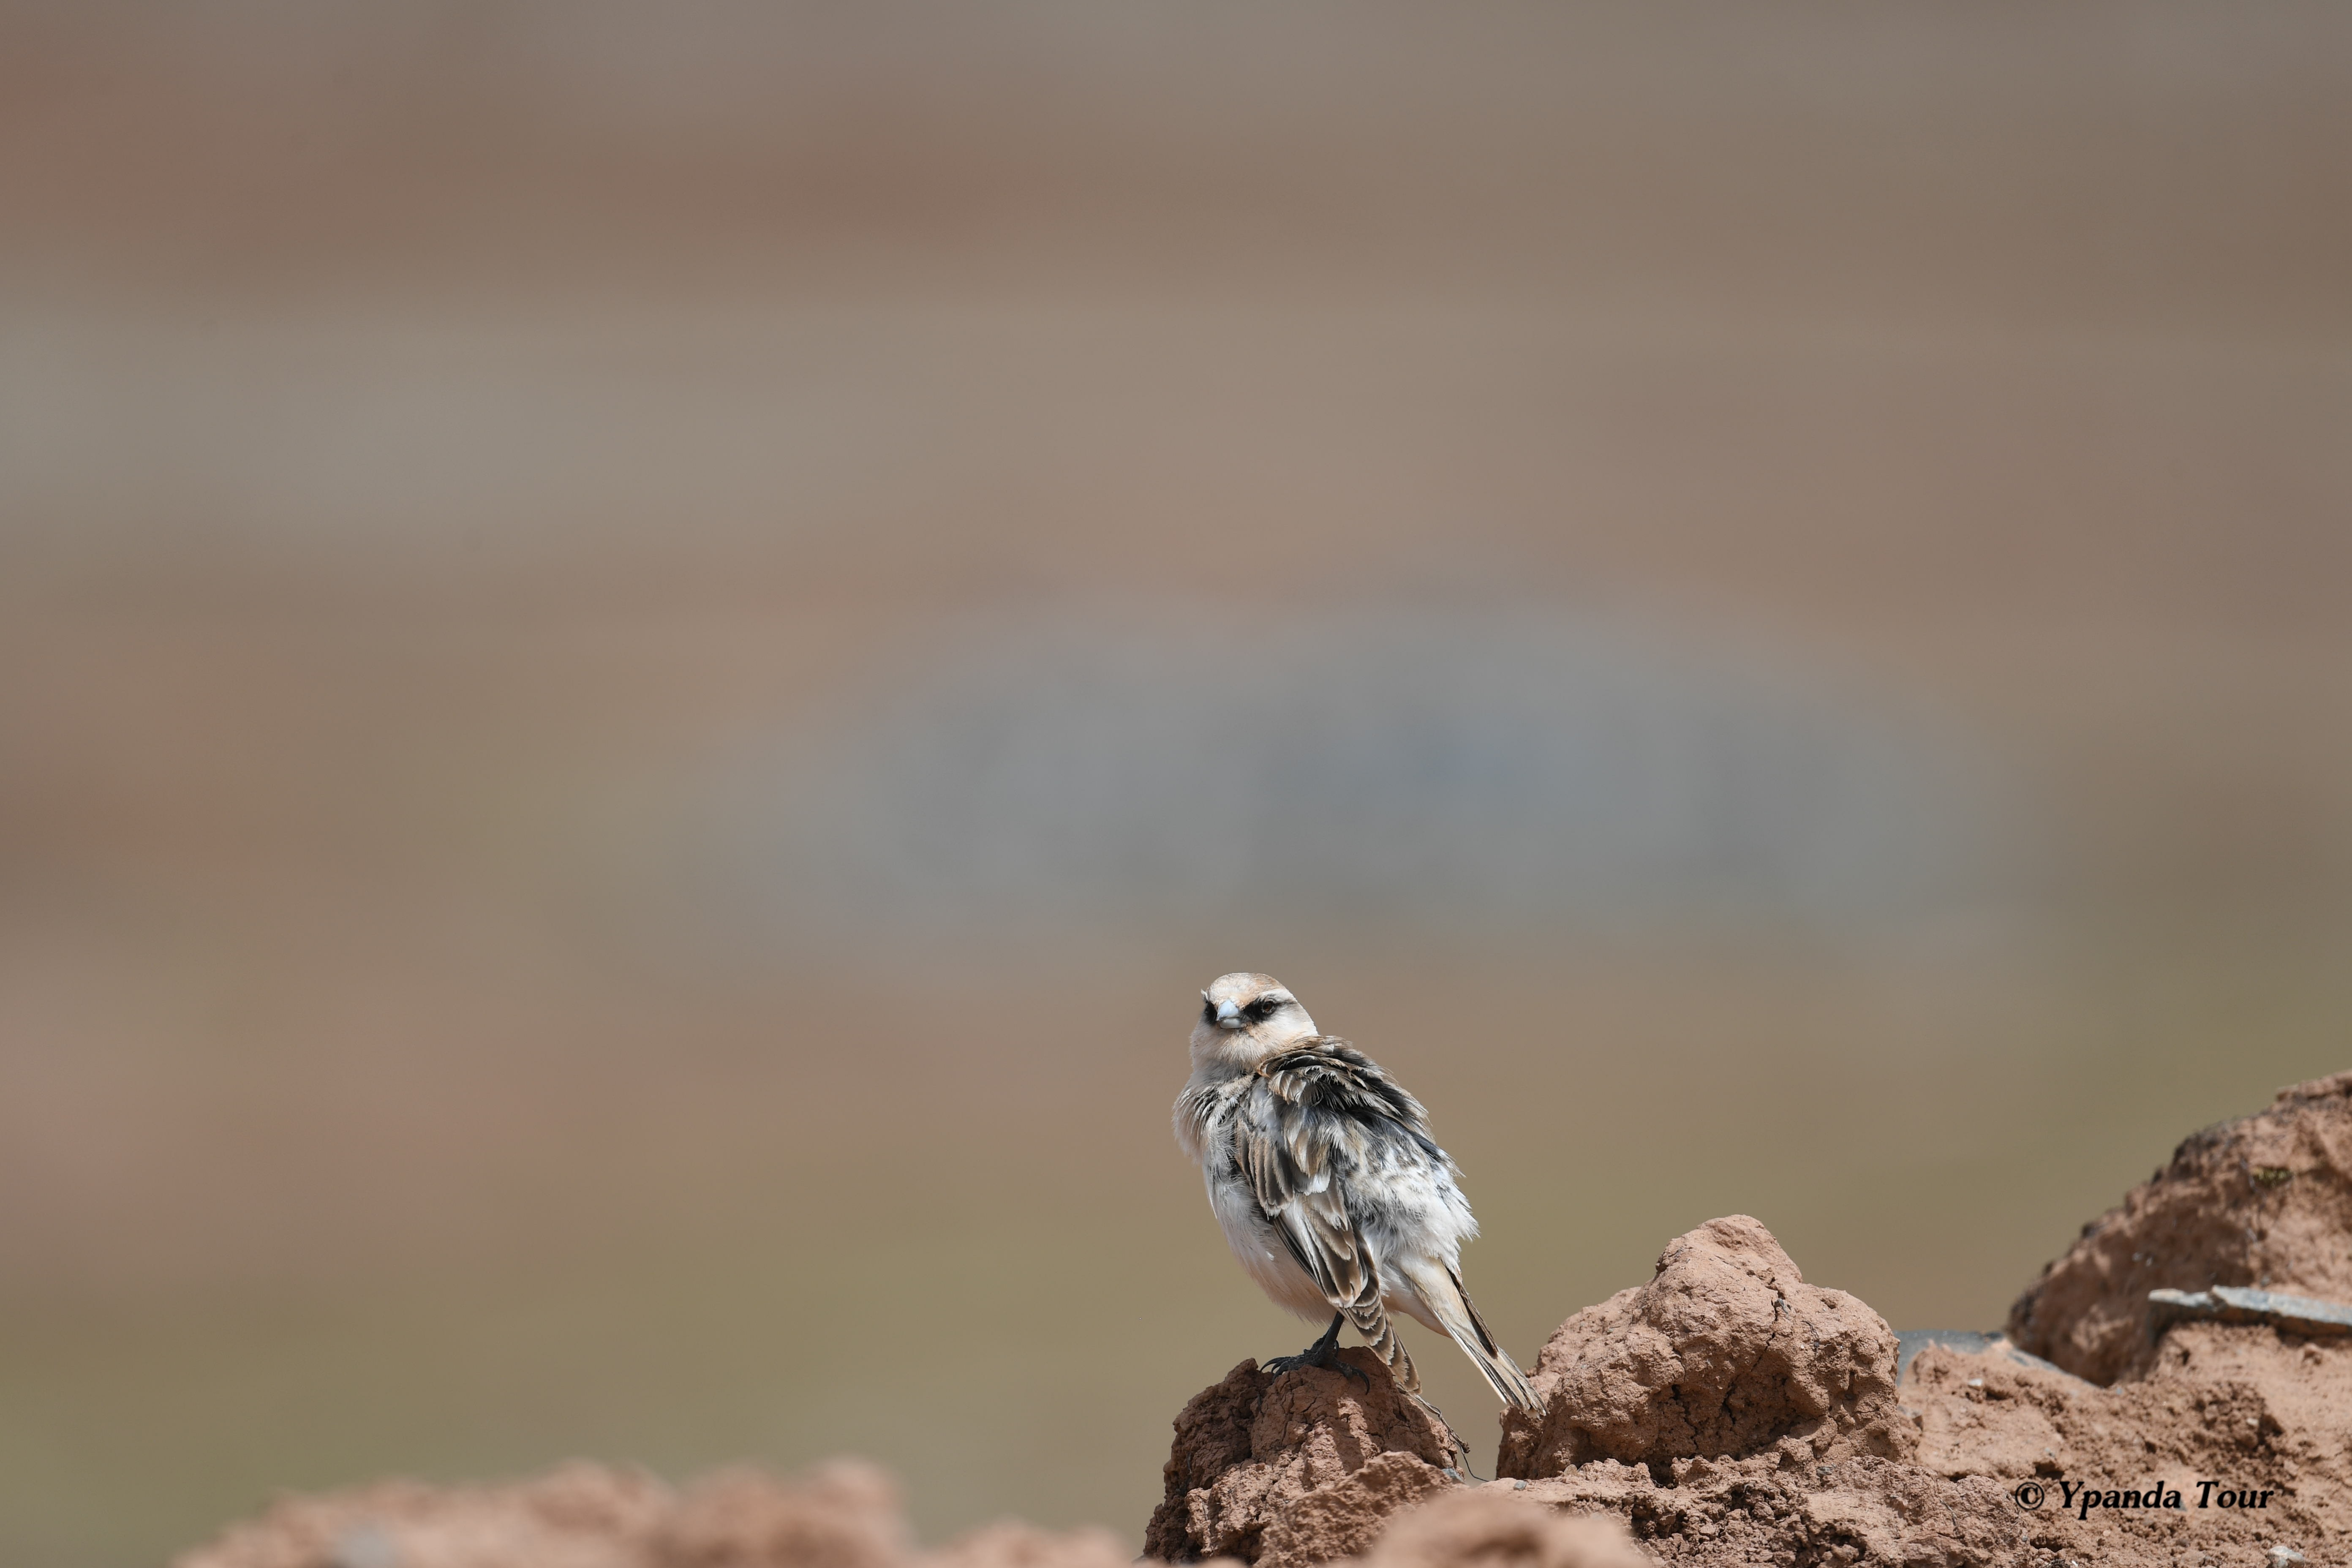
[
  {"x": 1208, "y": 1011},
  {"x": 1265, "y": 1008}
]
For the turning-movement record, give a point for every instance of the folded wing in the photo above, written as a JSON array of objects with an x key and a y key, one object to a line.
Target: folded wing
[{"x": 1321, "y": 1111}]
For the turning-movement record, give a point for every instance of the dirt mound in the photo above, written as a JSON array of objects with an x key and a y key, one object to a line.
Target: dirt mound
[
  {"x": 1726, "y": 1352},
  {"x": 846, "y": 1515},
  {"x": 1727, "y": 1413},
  {"x": 1731, "y": 1414},
  {"x": 2264, "y": 1200},
  {"x": 1724, "y": 1415},
  {"x": 1298, "y": 1469}
]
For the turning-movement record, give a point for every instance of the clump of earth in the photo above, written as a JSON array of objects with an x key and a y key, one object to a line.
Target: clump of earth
[{"x": 2176, "y": 1390}]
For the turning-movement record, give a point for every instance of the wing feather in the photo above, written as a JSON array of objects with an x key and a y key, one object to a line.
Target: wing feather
[
  {"x": 1310, "y": 1119},
  {"x": 1309, "y": 1123}
]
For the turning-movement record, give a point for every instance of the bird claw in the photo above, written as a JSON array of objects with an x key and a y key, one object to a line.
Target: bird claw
[{"x": 1325, "y": 1357}]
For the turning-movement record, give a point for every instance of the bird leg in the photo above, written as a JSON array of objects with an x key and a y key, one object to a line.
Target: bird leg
[{"x": 1323, "y": 1352}]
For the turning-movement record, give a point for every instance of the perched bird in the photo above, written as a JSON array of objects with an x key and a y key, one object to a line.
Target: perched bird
[{"x": 1327, "y": 1184}]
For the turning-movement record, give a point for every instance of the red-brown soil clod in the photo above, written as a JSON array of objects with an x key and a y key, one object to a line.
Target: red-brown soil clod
[
  {"x": 1298, "y": 1468},
  {"x": 1726, "y": 1352}
]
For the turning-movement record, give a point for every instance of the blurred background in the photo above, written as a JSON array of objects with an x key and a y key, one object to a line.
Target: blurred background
[{"x": 646, "y": 653}]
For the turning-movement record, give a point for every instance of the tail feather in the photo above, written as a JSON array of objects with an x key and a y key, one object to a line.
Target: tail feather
[
  {"x": 1371, "y": 1320},
  {"x": 1460, "y": 1320}
]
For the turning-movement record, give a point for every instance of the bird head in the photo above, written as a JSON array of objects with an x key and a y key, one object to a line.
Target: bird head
[{"x": 1247, "y": 1016}]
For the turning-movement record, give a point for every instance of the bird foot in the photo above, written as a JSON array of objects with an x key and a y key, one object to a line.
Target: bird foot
[{"x": 1324, "y": 1354}]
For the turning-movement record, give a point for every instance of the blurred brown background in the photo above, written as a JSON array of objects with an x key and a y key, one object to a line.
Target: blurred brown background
[{"x": 647, "y": 651}]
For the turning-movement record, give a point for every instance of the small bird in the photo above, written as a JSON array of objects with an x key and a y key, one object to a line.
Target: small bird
[{"x": 1327, "y": 1184}]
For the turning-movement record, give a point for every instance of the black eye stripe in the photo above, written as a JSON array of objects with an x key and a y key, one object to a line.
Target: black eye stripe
[{"x": 1257, "y": 1010}]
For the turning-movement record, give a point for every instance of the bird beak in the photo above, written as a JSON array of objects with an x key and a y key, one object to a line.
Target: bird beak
[{"x": 1229, "y": 1014}]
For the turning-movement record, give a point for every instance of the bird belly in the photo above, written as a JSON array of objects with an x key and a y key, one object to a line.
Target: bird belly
[
  {"x": 1398, "y": 1294},
  {"x": 1261, "y": 1250},
  {"x": 1412, "y": 1220}
]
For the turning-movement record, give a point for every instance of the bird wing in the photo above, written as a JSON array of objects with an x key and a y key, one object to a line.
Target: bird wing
[{"x": 1317, "y": 1113}]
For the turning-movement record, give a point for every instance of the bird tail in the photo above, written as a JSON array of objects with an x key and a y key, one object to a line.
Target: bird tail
[
  {"x": 1371, "y": 1320},
  {"x": 1441, "y": 1289}
]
